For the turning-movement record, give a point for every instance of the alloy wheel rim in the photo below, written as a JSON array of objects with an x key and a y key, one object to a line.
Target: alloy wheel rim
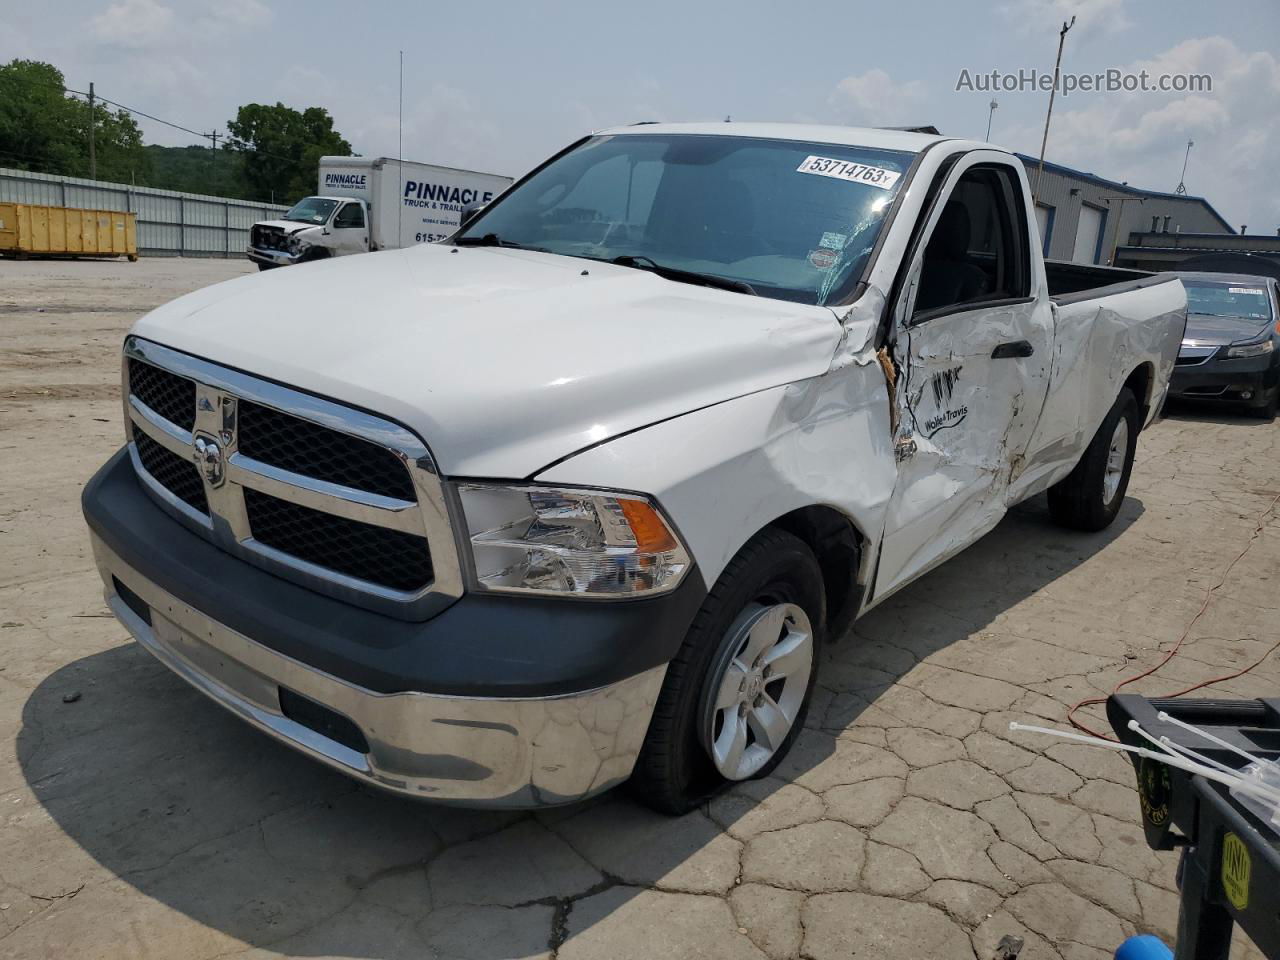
[
  {"x": 1116, "y": 455},
  {"x": 759, "y": 688}
]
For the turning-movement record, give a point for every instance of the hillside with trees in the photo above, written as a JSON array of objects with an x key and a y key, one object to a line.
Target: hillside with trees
[{"x": 270, "y": 152}]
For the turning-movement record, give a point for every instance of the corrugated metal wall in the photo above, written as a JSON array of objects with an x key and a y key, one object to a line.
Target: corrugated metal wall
[
  {"x": 1055, "y": 192},
  {"x": 170, "y": 224}
]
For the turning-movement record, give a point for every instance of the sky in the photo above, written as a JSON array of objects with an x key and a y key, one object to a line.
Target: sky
[{"x": 498, "y": 86}]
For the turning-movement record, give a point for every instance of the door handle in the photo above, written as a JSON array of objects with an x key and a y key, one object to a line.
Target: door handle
[{"x": 1014, "y": 348}]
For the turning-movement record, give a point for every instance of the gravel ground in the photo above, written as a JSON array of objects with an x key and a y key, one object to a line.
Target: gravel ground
[{"x": 140, "y": 820}]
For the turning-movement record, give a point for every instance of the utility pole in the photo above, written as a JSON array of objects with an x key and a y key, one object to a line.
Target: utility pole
[
  {"x": 1044, "y": 141},
  {"x": 213, "y": 157},
  {"x": 1181, "y": 189},
  {"x": 400, "y": 154},
  {"x": 991, "y": 113},
  {"x": 93, "y": 156}
]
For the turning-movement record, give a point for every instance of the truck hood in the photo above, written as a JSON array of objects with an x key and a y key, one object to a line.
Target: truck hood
[
  {"x": 502, "y": 360},
  {"x": 1209, "y": 330},
  {"x": 288, "y": 226}
]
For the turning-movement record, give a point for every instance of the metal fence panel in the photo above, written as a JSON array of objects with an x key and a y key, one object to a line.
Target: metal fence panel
[{"x": 170, "y": 224}]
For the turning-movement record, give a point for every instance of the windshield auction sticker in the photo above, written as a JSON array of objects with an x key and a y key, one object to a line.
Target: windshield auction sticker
[
  {"x": 823, "y": 258},
  {"x": 853, "y": 172}
]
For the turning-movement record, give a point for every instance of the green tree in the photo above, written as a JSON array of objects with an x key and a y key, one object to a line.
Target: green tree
[
  {"x": 43, "y": 128},
  {"x": 282, "y": 148},
  {"x": 37, "y": 131},
  {"x": 197, "y": 169}
]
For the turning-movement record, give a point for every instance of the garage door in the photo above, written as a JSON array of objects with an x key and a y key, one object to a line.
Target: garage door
[
  {"x": 1044, "y": 220},
  {"x": 1087, "y": 231}
]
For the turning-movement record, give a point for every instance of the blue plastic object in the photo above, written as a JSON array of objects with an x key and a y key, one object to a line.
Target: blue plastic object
[{"x": 1144, "y": 947}]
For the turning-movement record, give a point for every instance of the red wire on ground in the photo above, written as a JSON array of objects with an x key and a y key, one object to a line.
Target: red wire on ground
[{"x": 1173, "y": 651}]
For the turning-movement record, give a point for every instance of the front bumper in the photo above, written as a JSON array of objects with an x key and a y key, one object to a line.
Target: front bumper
[
  {"x": 280, "y": 258},
  {"x": 1227, "y": 380},
  {"x": 500, "y": 702}
]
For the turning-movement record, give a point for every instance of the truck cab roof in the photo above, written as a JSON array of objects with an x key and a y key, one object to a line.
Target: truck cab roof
[{"x": 875, "y": 137}]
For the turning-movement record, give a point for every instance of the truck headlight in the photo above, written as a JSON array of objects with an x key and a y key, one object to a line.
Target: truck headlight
[
  {"x": 1249, "y": 350},
  {"x": 578, "y": 542}
]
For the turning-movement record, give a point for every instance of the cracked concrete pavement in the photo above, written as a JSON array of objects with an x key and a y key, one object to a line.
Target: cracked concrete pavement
[{"x": 142, "y": 820}]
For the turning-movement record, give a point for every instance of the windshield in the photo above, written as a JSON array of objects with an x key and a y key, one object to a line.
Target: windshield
[
  {"x": 794, "y": 220},
  {"x": 1237, "y": 298},
  {"x": 311, "y": 210}
]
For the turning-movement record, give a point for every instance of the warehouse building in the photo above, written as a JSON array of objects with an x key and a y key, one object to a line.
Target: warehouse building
[
  {"x": 1087, "y": 219},
  {"x": 1157, "y": 250}
]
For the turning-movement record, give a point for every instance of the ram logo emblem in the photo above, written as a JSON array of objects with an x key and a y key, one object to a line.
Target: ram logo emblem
[{"x": 209, "y": 460}]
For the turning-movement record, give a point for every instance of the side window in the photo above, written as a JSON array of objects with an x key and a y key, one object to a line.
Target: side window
[
  {"x": 351, "y": 215},
  {"x": 978, "y": 251}
]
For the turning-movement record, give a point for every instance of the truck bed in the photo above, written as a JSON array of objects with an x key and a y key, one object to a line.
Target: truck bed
[{"x": 1071, "y": 282}]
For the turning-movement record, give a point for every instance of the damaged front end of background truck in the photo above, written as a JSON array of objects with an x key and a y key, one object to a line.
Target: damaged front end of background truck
[{"x": 577, "y": 496}]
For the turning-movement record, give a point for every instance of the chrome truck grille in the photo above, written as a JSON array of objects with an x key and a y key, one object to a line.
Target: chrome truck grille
[{"x": 341, "y": 501}]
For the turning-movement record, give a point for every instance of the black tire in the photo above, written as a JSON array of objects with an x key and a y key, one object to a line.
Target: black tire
[
  {"x": 674, "y": 773},
  {"x": 1079, "y": 500},
  {"x": 265, "y": 266}
]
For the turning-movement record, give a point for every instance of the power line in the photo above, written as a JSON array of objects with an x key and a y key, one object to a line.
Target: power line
[{"x": 215, "y": 136}]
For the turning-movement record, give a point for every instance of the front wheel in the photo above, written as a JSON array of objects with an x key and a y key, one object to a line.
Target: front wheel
[
  {"x": 1089, "y": 497},
  {"x": 736, "y": 694}
]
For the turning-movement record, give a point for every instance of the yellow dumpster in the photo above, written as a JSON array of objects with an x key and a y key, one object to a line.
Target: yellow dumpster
[{"x": 27, "y": 229}]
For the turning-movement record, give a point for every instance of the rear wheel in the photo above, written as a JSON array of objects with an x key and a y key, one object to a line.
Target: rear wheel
[
  {"x": 736, "y": 693},
  {"x": 1089, "y": 497}
]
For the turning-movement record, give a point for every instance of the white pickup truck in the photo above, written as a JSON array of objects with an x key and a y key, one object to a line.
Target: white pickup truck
[{"x": 577, "y": 496}]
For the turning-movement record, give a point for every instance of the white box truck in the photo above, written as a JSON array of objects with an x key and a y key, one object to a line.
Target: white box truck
[{"x": 371, "y": 203}]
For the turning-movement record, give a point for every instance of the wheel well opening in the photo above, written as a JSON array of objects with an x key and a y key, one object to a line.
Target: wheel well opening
[
  {"x": 1139, "y": 382},
  {"x": 837, "y": 544}
]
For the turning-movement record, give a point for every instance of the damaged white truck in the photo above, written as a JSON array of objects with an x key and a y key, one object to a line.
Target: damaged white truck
[{"x": 577, "y": 496}]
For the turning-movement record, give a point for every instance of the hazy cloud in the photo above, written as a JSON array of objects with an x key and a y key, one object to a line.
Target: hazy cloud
[
  {"x": 1092, "y": 16},
  {"x": 1141, "y": 137},
  {"x": 133, "y": 23},
  {"x": 536, "y": 82},
  {"x": 873, "y": 98},
  {"x": 440, "y": 122}
]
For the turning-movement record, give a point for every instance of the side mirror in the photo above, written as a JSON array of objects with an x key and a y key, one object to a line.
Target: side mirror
[{"x": 469, "y": 212}]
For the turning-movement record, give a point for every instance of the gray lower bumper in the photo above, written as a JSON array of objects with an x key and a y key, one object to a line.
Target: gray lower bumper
[{"x": 469, "y": 751}]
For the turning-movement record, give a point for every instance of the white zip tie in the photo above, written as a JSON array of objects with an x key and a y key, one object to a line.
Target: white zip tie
[
  {"x": 1070, "y": 735},
  {"x": 1198, "y": 757},
  {"x": 1170, "y": 759},
  {"x": 1179, "y": 750},
  {"x": 1165, "y": 718},
  {"x": 1261, "y": 790}
]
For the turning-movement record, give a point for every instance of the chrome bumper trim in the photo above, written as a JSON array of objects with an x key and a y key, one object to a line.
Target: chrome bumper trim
[{"x": 470, "y": 751}]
